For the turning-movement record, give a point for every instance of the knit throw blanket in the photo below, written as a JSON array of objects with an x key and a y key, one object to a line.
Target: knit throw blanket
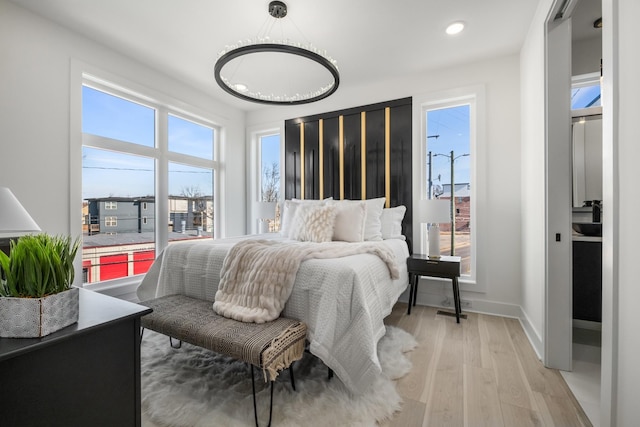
[{"x": 257, "y": 276}]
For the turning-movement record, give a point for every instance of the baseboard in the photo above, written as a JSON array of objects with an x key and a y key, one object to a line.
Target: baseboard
[
  {"x": 495, "y": 308},
  {"x": 477, "y": 305},
  {"x": 534, "y": 336}
]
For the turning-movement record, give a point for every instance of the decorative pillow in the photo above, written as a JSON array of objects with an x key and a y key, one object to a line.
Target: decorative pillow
[
  {"x": 289, "y": 212},
  {"x": 350, "y": 220},
  {"x": 373, "y": 225},
  {"x": 391, "y": 219},
  {"x": 313, "y": 223}
]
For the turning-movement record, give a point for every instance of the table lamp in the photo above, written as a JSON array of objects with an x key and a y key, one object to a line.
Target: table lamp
[
  {"x": 15, "y": 221},
  {"x": 266, "y": 212},
  {"x": 433, "y": 212}
]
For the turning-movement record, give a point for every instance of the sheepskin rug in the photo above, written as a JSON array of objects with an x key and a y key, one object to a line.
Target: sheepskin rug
[{"x": 193, "y": 387}]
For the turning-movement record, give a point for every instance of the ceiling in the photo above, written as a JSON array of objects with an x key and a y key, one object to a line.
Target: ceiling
[{"x": 372, "y": 40}]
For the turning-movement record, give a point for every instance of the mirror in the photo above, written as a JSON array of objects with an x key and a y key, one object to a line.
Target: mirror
[{"x": 587, "y": 155}]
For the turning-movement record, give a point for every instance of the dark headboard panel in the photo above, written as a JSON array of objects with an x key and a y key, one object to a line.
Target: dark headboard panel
[{"x": 358, "y": 153}]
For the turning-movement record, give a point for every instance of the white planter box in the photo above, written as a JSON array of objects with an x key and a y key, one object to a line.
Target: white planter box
[{"x": 37, "y": 317}]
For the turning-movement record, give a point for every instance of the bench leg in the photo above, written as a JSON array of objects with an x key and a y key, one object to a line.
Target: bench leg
[
  {"x": 293, "y": 381},
  {"x": 255, "y": 408}
]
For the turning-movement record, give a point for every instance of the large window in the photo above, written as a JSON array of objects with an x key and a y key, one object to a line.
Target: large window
[
  {"x": 147, "y": 180},
  {"x": 449, "y": 160},
  {"x": 270, "y": 168},
  {"x": 268, "y": 182}
]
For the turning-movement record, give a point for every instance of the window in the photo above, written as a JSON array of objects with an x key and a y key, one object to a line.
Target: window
[
  {"x": 268, "y": 180},
  {"x": 269, "y": 168},
  {"x": 585, "y": 91},
  {"x": 140, "y": 157},
  {"x": 449, "y": 160}
]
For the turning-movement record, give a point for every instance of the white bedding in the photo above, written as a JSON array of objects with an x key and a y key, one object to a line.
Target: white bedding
[{"x": 342, "y": 301}]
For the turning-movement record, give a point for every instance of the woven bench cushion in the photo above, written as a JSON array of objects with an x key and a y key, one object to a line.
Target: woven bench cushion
[{"x": 272, "y": 346}]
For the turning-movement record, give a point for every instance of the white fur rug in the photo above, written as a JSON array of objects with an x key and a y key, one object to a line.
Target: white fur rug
[{"x": 193, "y": 387}]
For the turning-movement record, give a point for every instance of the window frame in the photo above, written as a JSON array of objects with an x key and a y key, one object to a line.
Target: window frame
[
  {"x": 474, "y": 96},
  {"x": 83, "y": 74},
  {"x": 254, "y": 168}
]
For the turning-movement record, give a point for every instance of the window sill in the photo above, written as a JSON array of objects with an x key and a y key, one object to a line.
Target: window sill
[{"x": 123, "y": 289}]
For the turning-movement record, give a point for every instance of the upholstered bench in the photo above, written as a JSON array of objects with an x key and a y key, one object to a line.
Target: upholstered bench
[{"x": 271, "y": 346}]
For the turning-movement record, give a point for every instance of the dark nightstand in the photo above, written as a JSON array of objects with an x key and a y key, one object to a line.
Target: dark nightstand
[{"x": 447, "y": 267}]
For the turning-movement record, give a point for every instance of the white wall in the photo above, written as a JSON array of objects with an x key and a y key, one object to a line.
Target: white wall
[
  {"x": 498, "y": 210},
  {"x": 35, "y": 58},
  {"x": 585, "y": 56},
  {"x": 532, "y": 163}
]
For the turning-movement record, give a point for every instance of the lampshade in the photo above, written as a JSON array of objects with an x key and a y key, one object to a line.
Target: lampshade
[
  {"x": 15, "y": 221},
  {"x": 435, "y": 211},
  {"x": 266, "y": 210}
]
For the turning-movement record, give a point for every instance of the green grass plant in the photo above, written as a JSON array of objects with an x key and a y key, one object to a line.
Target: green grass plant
[{"x": 38, "y": 265}]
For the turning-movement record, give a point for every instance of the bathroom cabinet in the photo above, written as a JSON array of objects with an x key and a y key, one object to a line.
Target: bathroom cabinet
[{"x": 587, "y": 280}]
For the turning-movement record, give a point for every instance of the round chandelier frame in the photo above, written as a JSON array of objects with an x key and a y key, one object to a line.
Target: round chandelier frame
[{"x": 278, "y": 10}]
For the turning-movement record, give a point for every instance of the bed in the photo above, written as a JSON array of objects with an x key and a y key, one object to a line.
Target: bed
[{"x": 343, "y": 301}]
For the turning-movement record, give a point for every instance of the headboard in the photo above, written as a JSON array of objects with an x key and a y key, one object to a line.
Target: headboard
[{"x": 357, "y": 153}]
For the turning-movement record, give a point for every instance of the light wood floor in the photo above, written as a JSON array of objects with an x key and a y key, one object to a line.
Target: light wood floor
[{"x": 481, "y": 372}]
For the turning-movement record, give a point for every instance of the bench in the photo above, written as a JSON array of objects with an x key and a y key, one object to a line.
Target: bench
[{"x": 271, "y": 346}]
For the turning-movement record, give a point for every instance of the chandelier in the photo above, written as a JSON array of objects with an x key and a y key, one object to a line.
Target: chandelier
[{"x": 276, "y": 71}]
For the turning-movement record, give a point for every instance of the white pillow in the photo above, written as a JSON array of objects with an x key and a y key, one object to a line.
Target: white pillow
[
  {"x": 373, "y": 225},
  {"x": 313, "y": 223},
  {"x": 350, "y": 220},
  {"x": 391, "y": 219},
  {"x": 289, "y": 212}
]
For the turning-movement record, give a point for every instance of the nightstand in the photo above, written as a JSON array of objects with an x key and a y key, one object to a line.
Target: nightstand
[{"x": 447, "y": 267}]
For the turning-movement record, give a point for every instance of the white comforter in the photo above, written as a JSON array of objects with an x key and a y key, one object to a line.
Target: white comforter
[{"x": 343, "y": 301}]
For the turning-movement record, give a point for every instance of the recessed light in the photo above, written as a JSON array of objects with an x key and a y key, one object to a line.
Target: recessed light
[{"x": 455, "y": 28}]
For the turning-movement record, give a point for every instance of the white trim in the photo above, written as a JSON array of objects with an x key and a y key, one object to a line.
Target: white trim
[
  {"x": 610, "y": 223},
  {"x": 253, "y": 135},
  {"x": 582, "y": 80}
]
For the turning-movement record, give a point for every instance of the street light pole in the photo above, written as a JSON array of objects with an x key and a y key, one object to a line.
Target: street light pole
[
  {"x": 453, "y": 208},
  {"x": 430, "y": 182}
]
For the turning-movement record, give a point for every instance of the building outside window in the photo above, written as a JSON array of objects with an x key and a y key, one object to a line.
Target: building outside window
[{"x": 139, "y": 155}]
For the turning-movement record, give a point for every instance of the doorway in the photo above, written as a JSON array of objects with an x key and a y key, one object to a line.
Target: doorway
[{"x": 563, "y": 20}]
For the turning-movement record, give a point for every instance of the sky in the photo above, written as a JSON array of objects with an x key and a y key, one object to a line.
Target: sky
[
  {"x": 107, "y": 173},
  {"x": 447, "y": 130}
]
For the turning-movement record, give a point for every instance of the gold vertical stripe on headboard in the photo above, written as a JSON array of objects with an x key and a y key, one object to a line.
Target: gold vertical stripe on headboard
[
  {"x": 321, "y": 160},
  {"x": 302, "y": 161},
  {"x": 341, "y": 154},
  {"x": 363, "y": 153},
  {"x": 387, "y": 156}
]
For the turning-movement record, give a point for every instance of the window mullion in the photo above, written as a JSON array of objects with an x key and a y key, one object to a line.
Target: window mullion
[{"x": 162, "y": 178}]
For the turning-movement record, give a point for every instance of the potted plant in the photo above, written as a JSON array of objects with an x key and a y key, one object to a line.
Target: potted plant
[{"x": 36, "y": 293}]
